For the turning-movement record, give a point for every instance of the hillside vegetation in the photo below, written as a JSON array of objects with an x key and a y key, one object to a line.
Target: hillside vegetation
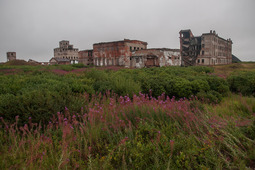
[{"x": 156, "y": 118}]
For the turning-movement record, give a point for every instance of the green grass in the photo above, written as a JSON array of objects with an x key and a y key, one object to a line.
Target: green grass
[
  {"x": 56, "y": 118},
  {"x": 139, "y": 134}
]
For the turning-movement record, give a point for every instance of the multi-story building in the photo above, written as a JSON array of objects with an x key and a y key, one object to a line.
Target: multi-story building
[
  {"x": 207, "y": 49},
  {"x": 66, "y": 51},
  {"x": 86, "y": 57},
  {"x": 11, "y": 56},
  {"x": 117, "y": 52}
]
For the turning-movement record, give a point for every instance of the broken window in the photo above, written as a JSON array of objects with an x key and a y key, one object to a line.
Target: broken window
[
  {"x": 134, "y": 48},
  {"x": 198, "y": 61},
  {"x": 203, "y": 61},
  {"x": 130, "y": 48}
]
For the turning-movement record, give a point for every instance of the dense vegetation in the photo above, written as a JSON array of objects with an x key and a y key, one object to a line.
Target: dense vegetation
[{"x": 68, "y": 117}]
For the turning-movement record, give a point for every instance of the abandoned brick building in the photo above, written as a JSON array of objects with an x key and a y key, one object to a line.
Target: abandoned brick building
[
  {"x": 86, "y": 57},
  {"x": 65, "y": 53},
  {"x": 134, "y": 53},
  {"x": 11, "y": 56},
  {"x": 156, "y": 57},
  {"x": 207, "y": 49},
  {"x": 116, "y": 53}
]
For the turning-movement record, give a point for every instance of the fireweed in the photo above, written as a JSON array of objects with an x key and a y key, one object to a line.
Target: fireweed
[{"x": 117, "y": 132}]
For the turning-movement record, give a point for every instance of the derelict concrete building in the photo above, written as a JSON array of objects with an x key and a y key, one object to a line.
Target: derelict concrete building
[
  {"x": 66, "y": 51},
  {"x": 207, "y": 49},
  {"x": 155, "y": 57}
]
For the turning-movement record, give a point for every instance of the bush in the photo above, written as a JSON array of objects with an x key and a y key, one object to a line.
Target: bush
[
  {"x": 40, "y": 105},
  {"x": 79, "y": 65},
  {"x": 124, "y": 85},
  {"x": 218, "y": 84},
  {"x": 210, "y": 96},
  {"x": 199, "y": 85},
  {"x": 203, "y": 69},
  {"x": 69, "y": 88},
  {"x": 243, "y": 82}
]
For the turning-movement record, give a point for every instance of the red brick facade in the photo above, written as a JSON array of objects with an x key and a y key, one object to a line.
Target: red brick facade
[
  {"x": 116, "y": 53},
  {"x": 86, "y": 57}
]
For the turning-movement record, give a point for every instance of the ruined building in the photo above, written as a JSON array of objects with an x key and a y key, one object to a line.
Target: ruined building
[
  {"x": 86, "y": 57},
  {"x": 11, "y": 56},
  {"x": 156, "y": 57},
  {"x": 65, "y": 53},
  {"x": 207, "y": 49},
  {"x": 116, "y": 53}
]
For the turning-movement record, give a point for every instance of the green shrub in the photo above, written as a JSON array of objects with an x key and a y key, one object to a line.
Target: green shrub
[
  {"x": 243, "y": 82},
  {"x": 79, "y": 65},
  {"x": 199, "y": 85},
  {"x": 210, "y": 96},
  {"x": 202, "y": 69},
  {"x": 66, "y": 67},
  {"x": 124, "y": 86},
  {"x": 218, "y": 84},
  {"x": 103, "y": 86}
]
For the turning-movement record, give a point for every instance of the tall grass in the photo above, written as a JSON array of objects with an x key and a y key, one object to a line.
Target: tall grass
[{"x": 112, "y": 132}]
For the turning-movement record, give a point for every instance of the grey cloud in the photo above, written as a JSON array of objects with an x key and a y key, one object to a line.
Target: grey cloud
[{"x": 34, "y": 28}]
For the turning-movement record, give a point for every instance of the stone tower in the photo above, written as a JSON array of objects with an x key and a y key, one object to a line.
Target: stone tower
[{"x": 11, "y": 56}]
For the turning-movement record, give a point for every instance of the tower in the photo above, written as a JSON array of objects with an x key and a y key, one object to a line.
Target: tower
[{"x": 11, "y": 56}]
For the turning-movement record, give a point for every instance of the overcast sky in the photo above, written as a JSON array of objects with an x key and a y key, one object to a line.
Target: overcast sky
[{"x": 33, "y": 28}]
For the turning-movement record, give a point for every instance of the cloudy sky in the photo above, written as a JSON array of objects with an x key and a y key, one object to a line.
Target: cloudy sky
[{"x": 33, "y": 28}]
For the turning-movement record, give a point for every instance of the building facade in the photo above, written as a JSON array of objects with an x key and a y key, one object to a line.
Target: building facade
[
  {"x": 11, "y": 56},
  {"x": 207, "y": 49},
  {"x": 116, "y": 53},
  {"x": 66, "y": 51},
  {"x": 86, "y": 57},
  {"x": 157, "y": 57}
]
